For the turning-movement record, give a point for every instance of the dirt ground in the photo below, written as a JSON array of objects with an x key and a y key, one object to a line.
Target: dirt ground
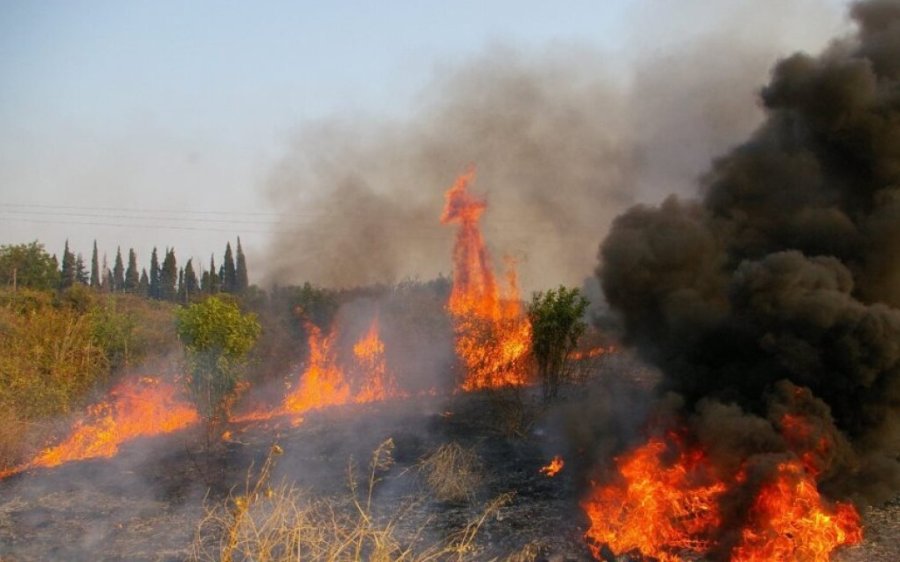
[{"x": 145, "y": 504}]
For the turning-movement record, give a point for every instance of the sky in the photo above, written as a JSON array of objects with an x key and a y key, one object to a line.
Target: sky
[{"x": 159, "y": 123}]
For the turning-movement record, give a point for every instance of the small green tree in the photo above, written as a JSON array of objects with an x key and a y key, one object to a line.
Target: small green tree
[
  {"x": 556, "y": 323},
  {"x": 27, "y": 265},
  {"x": 217, "y": 337}
]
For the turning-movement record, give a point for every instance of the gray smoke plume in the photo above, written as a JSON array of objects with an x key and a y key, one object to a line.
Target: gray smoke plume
[
  {"x": 563, "y": 141},
  {"x": 779, "y": 291}
]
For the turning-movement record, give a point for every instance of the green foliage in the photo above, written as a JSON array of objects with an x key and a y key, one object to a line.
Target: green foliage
[
  {"x": 50, "y": 357},
  {"x": 241, "y": 279},
  {"x": 556, "y": 321},
  {"x": 27, "y": 265},
  {"x": 168, "y": 276},
  {"x": 95, "y": 268},
  {"x": 132, "y": 279},
  {"x": 217, "y": 337},
  {"x": 67, "y": 273},
  {"x": 118, "y": 273}
]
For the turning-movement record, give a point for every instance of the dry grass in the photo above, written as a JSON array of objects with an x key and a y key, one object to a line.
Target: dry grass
[
  {"x": 453, "y": 472},
  {"x": 280, "y": 524}
]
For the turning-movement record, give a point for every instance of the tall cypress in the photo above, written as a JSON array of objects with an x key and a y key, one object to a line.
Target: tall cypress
[
  {"x": 95, "y": 268},
  {"x": 213, "y": 277},
  {"x": 132, "y": 277},
  {"x": 228, "y": 271},
  {"x": 241, "y": 281},
  {"x": 67, "y": 273},
  {"x": 168, "y": 277},
  {"x": 110, "y": 283},
  {"x": 118, "y": 272},
  {"x": 190, "y": 280},
  {"x": 81, "y": 274},
  {"x": 144, "y": 284},
  {"x": 154, "y": 276}
]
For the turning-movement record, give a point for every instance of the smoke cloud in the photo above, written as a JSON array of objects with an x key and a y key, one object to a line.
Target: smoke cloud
[
  {"x": 563, "y": 141},
  {"x": 778, "y": 292}
]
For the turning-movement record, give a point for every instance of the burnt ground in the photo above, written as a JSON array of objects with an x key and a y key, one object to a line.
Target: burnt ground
[{"x": 145, "y": 504}]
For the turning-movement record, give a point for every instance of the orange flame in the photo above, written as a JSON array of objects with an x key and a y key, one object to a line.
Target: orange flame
[
  {"x": 670, "y": 511},
  {"x": 140, "y": 407},
  {"x": 323, "y": 383},
  {"x": 369, "y": 353},
  {"x": 554, "y": 467},
  {"x": 790, "y": 521},
  {"x": 493, "y": 335},
  {"x": 591, "y": 353},
  {"x": 660, "y": 509}
]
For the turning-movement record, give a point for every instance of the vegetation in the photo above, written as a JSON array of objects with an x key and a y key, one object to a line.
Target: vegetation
[
  {"x": 28, "y": 266},
  {"x": 217, "y": 337},
  {"x": 557, "y": 323},
  {"x": 282, "y": 523},
  {"x": 453, "y": 472}
]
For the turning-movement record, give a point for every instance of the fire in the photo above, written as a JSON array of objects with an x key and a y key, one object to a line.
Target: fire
[
  {"x": 139, "y": 407},
  {"x": 369, "y": 353},
  {"x": 323, "y": 383},
  {"x": 790, "y": 521},
  {"x": 552, "y": 469},
  {"x": 659, "y": 508},
  {"x": 493, "y": 335},
  {"x": 590, "y": 353},
  {"x": 670, "y": 510}
]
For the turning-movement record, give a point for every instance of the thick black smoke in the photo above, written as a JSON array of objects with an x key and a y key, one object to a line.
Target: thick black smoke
[{"x": 788, "y": 269}]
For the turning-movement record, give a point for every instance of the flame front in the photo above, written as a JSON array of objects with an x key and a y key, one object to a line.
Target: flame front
[
  {"x": 657, "y": 508},
  {"x": 552, "y": 469},
  {"x": 140, "y": 407},
  {"x": 323, "y": 383},
  {"x": 369, "y": 354},
  {"x": 789, "y": 520},
  {"x": 493, "y": 335},
  {"x": 670, "y": 511}
]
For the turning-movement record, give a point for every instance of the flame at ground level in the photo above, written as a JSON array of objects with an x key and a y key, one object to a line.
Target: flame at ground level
[
  {"x": 669, "y": 510},
  {"x": 553, "y": 468},
  {"x": 138, "y": 407},
  {"x": 657, "y": 508},
  {"x": 324, "y": 383}
]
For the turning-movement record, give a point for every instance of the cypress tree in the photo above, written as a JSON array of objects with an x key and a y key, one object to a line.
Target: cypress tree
[
  {"x": 154, "y": 276},
  {"x": 110, "y": 284},
  {"x": 132, "y": 277},
  {"x": 144, "y": 284},
  {"x": 95, "y": 268},
  {"x": 67, "y": 274},
  {"x": 241, "y": 281},
  {"x": 228, "y": 271},
  {"x": 118, "y": 272},
  {"x": 81, "y": 274},
  {"x": 190, "y": 280},
  {"x": 213, "y": 278},
  {"x": 182, "y": 291},
  {"x": 168, "y": 277}
]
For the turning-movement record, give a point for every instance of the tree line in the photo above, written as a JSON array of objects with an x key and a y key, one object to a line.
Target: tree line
[{"x": 31, "y": 266}]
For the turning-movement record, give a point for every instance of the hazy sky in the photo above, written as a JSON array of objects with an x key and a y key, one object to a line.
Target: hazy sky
[{"x": 158, "y": 123}]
